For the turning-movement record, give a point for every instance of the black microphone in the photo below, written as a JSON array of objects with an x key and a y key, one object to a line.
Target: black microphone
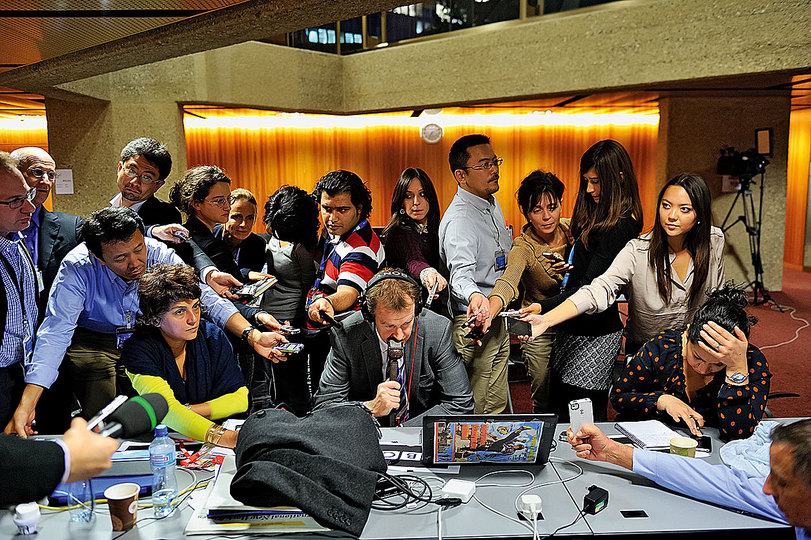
[
  {"x": 394, "y": 353},
  {"x": 139, "y": 415}
]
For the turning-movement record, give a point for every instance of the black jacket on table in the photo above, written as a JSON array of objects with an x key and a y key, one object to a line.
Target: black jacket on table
[
  {"x": 354, "y": 367},
  {"x": 658, "y": 369},
  {"x": 589, "y": 263},
  {"x": 29, "y": 469}
]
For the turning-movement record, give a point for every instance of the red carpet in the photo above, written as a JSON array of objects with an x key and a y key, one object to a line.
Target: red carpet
[{"x": 790, "y": 364}]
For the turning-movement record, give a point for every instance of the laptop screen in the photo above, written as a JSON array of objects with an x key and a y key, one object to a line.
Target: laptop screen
[{"x": 502, "y": 439}]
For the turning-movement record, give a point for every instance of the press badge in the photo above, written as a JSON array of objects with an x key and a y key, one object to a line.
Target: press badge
[
  {"x": 501, "y": 260},
  {"x": 122, "y": 334},
  {"x": 40, "y": 281}
]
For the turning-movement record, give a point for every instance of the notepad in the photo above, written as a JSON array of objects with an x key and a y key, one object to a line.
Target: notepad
[{"x": 648, "y": 434}]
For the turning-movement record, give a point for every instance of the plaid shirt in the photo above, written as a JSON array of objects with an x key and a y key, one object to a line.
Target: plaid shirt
[{"x": 19, "y": 283}]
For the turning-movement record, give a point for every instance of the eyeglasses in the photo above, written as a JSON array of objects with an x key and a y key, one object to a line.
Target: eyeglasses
[
  {"x": 219, "y": 201},
  {"x": 495, "y": 164},
  {"x": 145, "y": 178},
  {"x": 38, "y": 173},
  {"x": 17, "y": 202}
]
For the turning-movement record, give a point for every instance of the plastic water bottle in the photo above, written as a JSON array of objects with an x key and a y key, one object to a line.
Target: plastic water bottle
[{"x": 162, "y": 462}]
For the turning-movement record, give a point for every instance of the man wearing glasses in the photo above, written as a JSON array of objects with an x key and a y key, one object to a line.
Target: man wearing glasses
[
  {"x": 51, "y": 235},
  {"x": 145, "y": 164},
  {"x": 18, "y": 295},
  {"x": 473, "y": 243}
]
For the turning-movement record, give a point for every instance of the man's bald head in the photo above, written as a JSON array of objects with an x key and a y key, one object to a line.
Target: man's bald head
[{"x": 38, "y": 168}]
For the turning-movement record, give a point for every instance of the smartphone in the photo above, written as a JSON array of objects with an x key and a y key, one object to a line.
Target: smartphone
[
  {"x": 181, "y": 235},
  {"x": 287, "y": 329},
  {"x": 704, "y": 443},
  {"x": 580, "y": 413},
  {"x": 475, "y": 334},
  {"x": 290, "y": 348},
  {"x": 554, "y": 256},
  {"x": 517, "y": 327}
]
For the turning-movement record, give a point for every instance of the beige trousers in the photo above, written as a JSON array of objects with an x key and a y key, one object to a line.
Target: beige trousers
[{"x": 486, "y": 365}]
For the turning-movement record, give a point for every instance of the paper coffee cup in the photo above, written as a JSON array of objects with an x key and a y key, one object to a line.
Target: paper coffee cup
[
  {"x": 123, "y": 502},
  {"x": 683, "y": 446}
]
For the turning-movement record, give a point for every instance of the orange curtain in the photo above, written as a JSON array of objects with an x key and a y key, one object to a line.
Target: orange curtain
[
  {"x": 261, "y": 158},
  {"x": 799, "y": 156}
]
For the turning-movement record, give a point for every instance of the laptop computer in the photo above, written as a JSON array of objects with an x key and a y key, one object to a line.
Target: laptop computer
[{"x": 508, "y": 439}]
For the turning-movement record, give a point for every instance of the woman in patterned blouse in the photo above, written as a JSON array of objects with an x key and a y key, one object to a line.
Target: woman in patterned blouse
[{"x": 706, "y": 373}]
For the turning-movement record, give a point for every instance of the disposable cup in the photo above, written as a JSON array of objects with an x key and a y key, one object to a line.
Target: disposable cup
[
  {"x": 683, "y": 446},
  {"x": 123, "y": 502}
]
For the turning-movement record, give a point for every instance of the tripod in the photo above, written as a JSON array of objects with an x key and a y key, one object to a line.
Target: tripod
[{"x": 752, "y": 226}]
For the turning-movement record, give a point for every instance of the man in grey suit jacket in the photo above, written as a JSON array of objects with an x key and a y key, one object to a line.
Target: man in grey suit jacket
[{"x": 357, "y": 368}]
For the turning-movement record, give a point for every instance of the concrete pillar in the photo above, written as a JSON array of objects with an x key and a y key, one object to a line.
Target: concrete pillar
[
  {"x": 87, "y": 136},
  {"x": 693, "y": 129}
]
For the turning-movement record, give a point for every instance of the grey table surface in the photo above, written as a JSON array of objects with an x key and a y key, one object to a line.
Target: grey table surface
[{"x": 558, "y": 484}]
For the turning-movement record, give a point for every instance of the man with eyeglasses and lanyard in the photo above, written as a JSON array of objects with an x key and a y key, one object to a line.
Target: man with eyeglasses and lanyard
[
  {"x": 474, "y": 242},
  {"x": 18, "y": 296}
]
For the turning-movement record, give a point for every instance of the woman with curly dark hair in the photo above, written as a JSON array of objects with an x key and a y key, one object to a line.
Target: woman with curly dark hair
[
  {"x": 707, "y": 373},
  {"x": 179, "y": 354}
]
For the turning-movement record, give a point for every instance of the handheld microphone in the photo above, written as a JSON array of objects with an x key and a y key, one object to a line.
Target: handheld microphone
[
  {"x": 330, "y": 320},
  {"x": 139, "y": 415},
  {"x": 394, "y": 353}
]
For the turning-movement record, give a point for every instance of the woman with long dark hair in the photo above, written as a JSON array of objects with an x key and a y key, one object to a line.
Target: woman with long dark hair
[
  {"x": 607, "y": 214},
  {"x": 665, "y": 274},
  {"x": 707, "y": 373},
  {"x": 412, "y": 235}
]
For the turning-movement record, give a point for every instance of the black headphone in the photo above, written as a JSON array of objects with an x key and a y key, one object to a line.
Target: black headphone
[{"x": 391, "y": 274}]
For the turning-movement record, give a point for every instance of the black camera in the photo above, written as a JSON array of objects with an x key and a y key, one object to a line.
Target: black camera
[{"x": 741, "y": 164}]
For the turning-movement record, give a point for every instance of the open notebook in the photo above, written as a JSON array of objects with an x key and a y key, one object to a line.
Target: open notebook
[{"x": 648, "y": 434}]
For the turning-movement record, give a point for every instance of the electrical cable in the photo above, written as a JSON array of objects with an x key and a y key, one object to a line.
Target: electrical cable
[
  {"x": 775, "y": 306},
  {"x": 556, "y": 531}
]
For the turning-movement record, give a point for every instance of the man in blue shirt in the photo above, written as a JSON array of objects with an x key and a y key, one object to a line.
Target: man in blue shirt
[
  {"x": 782, "y": 496},
  {"x": 473, "y": 243},
  {"x": 91, "y": 312},
  {"x": 18, "y": 294}
]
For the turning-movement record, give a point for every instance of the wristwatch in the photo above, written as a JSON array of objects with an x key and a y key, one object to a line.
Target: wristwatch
[
  {"x": 737, "y": 378},
  {"x": 247, "y": 332}
]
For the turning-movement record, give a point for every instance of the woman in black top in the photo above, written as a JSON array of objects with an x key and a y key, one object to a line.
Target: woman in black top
[
  {"x": 246, "y": 247},
  {"x": 706, "y": 373},
  {"x": 607, "y": 214}
]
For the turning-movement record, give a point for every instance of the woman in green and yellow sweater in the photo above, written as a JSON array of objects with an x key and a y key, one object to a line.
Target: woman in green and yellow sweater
[{"x": 180, "y": 355}]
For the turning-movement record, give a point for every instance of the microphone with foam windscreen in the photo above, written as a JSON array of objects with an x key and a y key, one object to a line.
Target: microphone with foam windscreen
[
  {"x": 139, "y": 415},
  {"x": 394, "y": 353}
]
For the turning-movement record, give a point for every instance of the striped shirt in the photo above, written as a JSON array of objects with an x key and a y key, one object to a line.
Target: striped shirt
[
  {"x": 20, "y": 291},
  {"x": 350, "y": 260}
]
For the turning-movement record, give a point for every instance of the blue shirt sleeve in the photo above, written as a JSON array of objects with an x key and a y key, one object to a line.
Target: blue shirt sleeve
[{"x": 716, "y": 484}]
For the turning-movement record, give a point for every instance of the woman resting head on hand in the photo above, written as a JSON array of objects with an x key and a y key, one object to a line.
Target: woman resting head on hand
[{"x": 706, "y": 373}]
